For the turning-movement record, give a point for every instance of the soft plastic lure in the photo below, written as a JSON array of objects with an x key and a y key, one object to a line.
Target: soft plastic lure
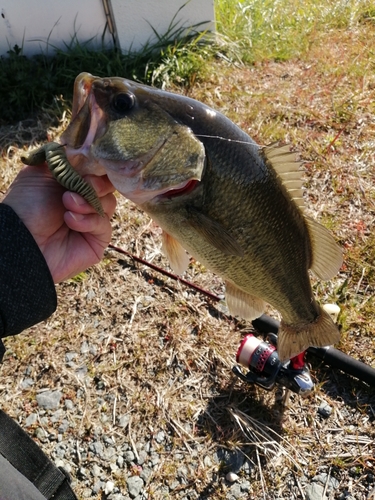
[{"x": 54, "y": 155}]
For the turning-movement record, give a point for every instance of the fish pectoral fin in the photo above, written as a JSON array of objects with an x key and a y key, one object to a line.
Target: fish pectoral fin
[
  {"x": 326, "y": 254},
  {"x": 175, "y": 253},
  {"x": 294, "y": 339},
  {"x": 243, "y": 304},
  {"x": 214, "y": 233}
]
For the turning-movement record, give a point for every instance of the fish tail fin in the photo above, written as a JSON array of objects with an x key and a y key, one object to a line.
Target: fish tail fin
[{"x": 294, "y": 339}]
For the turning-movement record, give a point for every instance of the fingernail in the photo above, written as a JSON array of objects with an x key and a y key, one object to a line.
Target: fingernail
[
  {"x": 76, "y": 217},
  {"x": 78, "y": 200}
]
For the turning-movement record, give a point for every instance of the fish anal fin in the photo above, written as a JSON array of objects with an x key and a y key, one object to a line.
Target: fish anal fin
[
  {"x": 285, "y": 164},
  {"x": 176, "y": 254},
  {"x": 326, "y": 254},
  {"x": 214, "y": 233},
  {"x": 294, "y": 339},
  {"x": 243, "y": 304}
]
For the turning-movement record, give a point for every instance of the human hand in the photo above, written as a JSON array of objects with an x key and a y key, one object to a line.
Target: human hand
[{"x": 69, "y": 233}]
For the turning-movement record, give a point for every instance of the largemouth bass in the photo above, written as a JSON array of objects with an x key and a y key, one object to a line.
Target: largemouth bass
[{"x": 234, "y": 206}]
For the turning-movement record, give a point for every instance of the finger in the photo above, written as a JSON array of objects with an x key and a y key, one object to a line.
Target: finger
[
  {"x": 76, "y": 204},
  {"x": 102, "y": 185},
  {"x": 90, "y": 223}
]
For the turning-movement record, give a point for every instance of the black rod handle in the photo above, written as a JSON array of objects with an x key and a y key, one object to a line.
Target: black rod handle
[
  {"x": 331, "y": 356},
  {"x": 337, "y": 359}
]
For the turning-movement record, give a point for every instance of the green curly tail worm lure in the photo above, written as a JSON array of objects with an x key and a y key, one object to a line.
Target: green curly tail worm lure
[{"x": 54, "y": 155}]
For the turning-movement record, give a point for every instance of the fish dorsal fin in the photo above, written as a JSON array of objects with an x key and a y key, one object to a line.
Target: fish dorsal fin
[
  {"x": 326, "y": 254},
  {"x": 213, "y": 232},
  {"x": 243, "y": 304},
  {"x": 287, "y": 167},
  {"x": 175, "y": 253}
]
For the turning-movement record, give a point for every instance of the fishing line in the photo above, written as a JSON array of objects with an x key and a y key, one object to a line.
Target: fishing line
[{"x": 236, "y": 141}]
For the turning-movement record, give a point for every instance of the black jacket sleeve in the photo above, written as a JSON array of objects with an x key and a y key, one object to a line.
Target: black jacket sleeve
[{"x": 27, "y": 291}]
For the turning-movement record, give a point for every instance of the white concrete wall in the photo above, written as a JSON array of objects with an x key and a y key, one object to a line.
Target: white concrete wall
[
  {"x": 33, "y": 23},
  {"x": 135, "y": 18}
]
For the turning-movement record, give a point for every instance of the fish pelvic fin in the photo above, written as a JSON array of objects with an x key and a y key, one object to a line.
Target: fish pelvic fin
[
  {"x": 243, "y": 304},
  {"x": 326, "y": 254},
  {"x": 175, "y": 253},
  {"x": 213, "y": 232},
  {"x": 294, "y": 339}
]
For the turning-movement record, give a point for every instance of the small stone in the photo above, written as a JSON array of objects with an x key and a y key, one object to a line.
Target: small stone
[
  {"x": 63, "y": 427},
  {"x": 231, "y": 477},
  {"x": 123, "y": 421},
  {"x": 81, "y": 371},
  {"x": 110, "y": 453},
  {"x": 98, "y": 485},
  {"x": 234, "y": 460},
  {"x": 90, "y": 294},
  {"x": 324, "y": 409},
  {"x": 96, "y": 470},
  {"x": 120, "y": 461},
  {"x": 135, "y": 485},
  {"x": 68, "y": 468},
  {"x": 109, "y": 485},
  {"x": 160, "y": 437},
  {"x": 50, "y": 400},
  {"x": 31, "y": 419},
  {"x": 26, "y": 383},
  {"x": 96, "y": 447},
  {"x": 70, "y": 356},
  {"x": 235, "y": 490},
  {"x": 145, "y": 474},
  {"x": 245, "y": 486},
  {"x": 40, "y": 434},
  {"x": 332, "y": 482},
  {"x": 173, "y": 485},
  {"x": 314, "y": 491},
  {"x": 142, "y": 457},
  {"x": 129, "y": 456},
  {"x": 57, "y": 415},
  {"x": 69, "y": 405},
  {"x": 84, "y": 347},
  {"x": 82, "y": 472}
]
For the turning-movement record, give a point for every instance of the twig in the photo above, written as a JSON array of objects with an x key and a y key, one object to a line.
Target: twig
[
  {"x": 326, "y": 485},
  {"x": 131, "y": 440},
  {"x": 114, "y": 411}
]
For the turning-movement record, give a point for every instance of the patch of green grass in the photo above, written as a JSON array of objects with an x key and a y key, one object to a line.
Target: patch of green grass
[{"x": 267, "y": 29}]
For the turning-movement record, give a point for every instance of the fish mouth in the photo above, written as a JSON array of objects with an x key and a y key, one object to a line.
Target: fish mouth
[
  {"x": 184, "y": 188},
  {"x": 89, "y": 123}
]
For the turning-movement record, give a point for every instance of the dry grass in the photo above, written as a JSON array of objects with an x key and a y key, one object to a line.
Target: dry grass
[{"x": 162, "y": 354}]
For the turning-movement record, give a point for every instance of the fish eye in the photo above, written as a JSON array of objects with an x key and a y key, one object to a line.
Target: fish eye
[{"x": 122, "y": 102}]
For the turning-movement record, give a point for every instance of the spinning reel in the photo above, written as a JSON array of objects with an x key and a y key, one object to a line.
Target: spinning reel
[{"x": 266, "y": 369}]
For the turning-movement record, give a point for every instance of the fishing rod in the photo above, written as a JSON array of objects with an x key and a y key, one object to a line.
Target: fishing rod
[{"x": 261, "y": 357}]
